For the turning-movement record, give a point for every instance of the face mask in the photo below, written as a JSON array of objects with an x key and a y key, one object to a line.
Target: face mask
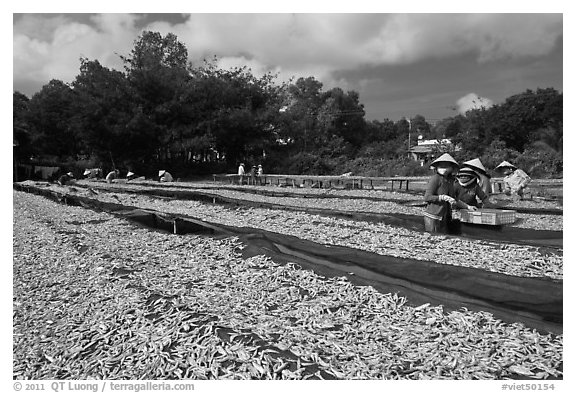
[
  {"x": 464, "y": 182},
  {"x": 442, "y": 171}
]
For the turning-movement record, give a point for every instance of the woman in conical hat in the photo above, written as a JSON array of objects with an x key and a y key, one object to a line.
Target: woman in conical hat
[
  {"x": 475, "y": 164},
  {"x": 112, "y": 175},
  {"x": 505, "y": 165},
  {"x": 515, "y": 180},
  {"x": 446, "y": 159},
  {"x": 165, "y": 176},
  {"x": 483, "y": 176},
  {"x": 130, "y": 175},
  {"x": 440, "y": 194},
  {"x": 66, "y": 178},
  {"x": 468, "y": 190}
]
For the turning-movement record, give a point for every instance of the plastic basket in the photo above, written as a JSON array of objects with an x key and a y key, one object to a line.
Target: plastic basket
[{"x": 488, "y": 216}]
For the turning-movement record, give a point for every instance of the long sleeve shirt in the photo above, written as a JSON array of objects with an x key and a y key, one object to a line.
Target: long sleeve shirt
[
  {"x": 439, "y": 185},
  {"x": 468, "y": 194},
  {"x": 166, "y": 177},
  {"x": 484, "y": 182},
  {"x": 516, "y": 181},
  {"x": 111, "y": 176}
]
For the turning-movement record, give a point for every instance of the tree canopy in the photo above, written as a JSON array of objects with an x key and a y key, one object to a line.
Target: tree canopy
[{"x": 161, "y": 111}]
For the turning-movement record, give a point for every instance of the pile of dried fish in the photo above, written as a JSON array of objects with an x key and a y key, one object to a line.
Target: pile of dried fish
[
  {"x": 341, "y": 204},
  {"x": 380, "y": 193},
  {"x": 518, "y": 260},
  {"x": 97, "y": 298},
  {"x": 540, "y": 222},
  {"x": 531, "y": 221},
  {"x": 377, "y": 192},
  {"x": 535, "y": 203}
]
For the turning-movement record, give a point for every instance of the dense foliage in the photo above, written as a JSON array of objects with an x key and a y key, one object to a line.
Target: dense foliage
[{"x": 161, "y": 111}]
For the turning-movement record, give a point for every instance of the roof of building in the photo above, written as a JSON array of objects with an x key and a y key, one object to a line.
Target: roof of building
[{"x": 423, "y": 149}]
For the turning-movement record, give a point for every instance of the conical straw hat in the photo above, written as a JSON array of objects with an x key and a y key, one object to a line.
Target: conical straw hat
[
  {"x": 445, "y": 158},
  {"x": 475, "y": 164},
  {"x": 505, "y": 164}
]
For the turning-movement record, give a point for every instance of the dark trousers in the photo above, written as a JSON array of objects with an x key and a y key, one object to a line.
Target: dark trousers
[
  {"x": 435, "y": 226},
  {"x": 446, "y": 225}
]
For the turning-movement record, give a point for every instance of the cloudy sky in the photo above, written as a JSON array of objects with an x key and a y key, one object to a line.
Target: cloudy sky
[{"x": 402, "y": 64}]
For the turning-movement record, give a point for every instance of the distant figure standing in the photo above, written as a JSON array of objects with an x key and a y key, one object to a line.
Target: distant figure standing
[
  {"x": 165, "y": 176},
  {"x": 241, "y": 173},
  {"x": 112, "y": 175},
  {"x": 259, "y": 174},
  {"x": 253, "y": 175},
  {"x": 515, "y": 180},
  {"x": 67, "y": 178},
  {"x": 483, "y": 177}
]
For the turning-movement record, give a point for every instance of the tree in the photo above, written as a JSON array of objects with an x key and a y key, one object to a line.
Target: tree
[
  {"x": 473, "y": 136},
  {"x": 158, "y": 72},
  {"x": 449, "y": 127},
  {"x": 152, "y": 52},
  {"x": 50, "y": 114},
  {"x": 526, "y": 118},
  {"x": 419, "y": 126},
  {"x": 497, "y": 152},
  {"x": 530, "y": 120},
  {"x": 342, "y": 115},
  {"x": 103, "y": 109},
  {"x": 236, "y": 110},
  {"x": 377, "y": 131},
  {"x": 402, "y": 132},
  {"x": 305, "y": 102},
  {"x": 22, "y": 133}
]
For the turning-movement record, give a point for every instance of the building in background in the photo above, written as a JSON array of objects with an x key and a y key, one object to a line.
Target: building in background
[{"x": 428, "y": 149}]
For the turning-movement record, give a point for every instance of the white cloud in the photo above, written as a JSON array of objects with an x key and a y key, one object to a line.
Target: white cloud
[
  {"x": 472, "y": 101},
  {"x": 408, "y": 38},
  {"x": 348, "y": 40},
  {"x": 38, "y": 26},
  {"x": 292, "y": 44},
  {"x": 56, "y": 54},
  {"x": 318, "y": 44}
]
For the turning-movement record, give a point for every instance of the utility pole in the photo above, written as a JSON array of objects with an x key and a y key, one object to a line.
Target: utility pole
[{"x": 409, "y": 129}]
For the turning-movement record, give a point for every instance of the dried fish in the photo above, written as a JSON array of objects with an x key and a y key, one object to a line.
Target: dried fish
[{"x": 153, "y": 324}]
